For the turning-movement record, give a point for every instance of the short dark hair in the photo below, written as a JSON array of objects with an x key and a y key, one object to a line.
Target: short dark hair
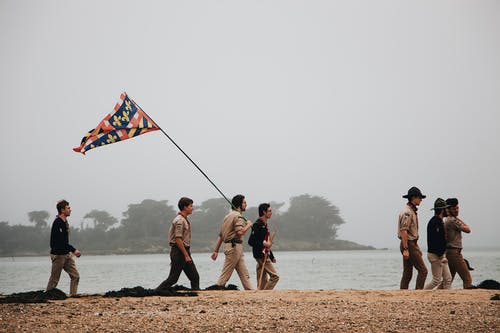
[
  {"x": 184, "y": 202},
  {"x": 438, "y": 211},
  {"x": 238, "y": 200},
  {"x": 61, "y": 205},
  {"x": 263, "y": 208}
]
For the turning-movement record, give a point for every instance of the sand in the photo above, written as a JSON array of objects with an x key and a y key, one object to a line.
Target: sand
[{"x": 270, "y": 311}]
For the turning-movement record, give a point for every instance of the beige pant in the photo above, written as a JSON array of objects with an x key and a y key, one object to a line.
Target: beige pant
[
  {"x": 66, "y": 262},
  {"x": 269, "y": 270},
  {"x": 234, "y": 260},
  {"x": 441, "y": 277}
]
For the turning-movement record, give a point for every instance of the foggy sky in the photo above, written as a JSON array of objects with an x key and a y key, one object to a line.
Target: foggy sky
[{"x": 355, "y": 101}]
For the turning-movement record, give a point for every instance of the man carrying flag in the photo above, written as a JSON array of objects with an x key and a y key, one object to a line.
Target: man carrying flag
[{"x": 231, "y": 234}]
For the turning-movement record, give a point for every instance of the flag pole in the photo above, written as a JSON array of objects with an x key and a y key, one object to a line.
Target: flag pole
[{"x": 189, "y": 158}]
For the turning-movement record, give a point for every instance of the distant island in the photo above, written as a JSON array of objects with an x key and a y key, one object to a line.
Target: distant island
[{"x": 310, "y": 223}]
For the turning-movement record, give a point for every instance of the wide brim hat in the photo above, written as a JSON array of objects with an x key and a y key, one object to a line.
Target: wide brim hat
[
  {"x": 414, "y": 192},
  {"x": 440, "y": 204}
]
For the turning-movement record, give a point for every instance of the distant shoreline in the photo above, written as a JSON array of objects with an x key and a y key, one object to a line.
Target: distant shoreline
[
  {"x": 334, "y": 245},
  {"x": 166, "y": 250}
]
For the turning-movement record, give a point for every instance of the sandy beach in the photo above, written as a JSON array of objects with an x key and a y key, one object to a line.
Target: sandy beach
[{"x": 271, "y": 311}]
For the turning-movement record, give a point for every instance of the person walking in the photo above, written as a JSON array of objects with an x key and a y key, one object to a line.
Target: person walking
[
  {"x": 261, "y": 248},
  {"x": 436, "y": 247},
  {"x": 408, "y": 234},
  {"x": 61, "y": 251},
  {"x": 231, "y": 234},
  {"x": 180, "y": 242},
  {"x": 454, "y": 227}
]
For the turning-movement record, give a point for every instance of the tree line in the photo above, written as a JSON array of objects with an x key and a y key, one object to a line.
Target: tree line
[{"x": 309, "y": 223}]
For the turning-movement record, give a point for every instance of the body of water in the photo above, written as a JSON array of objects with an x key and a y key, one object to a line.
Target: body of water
[{"x": 378, "y": 269}]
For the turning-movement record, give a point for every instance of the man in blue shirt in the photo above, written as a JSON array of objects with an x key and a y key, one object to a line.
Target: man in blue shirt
[
  {"x": 61, "y": 251},
  {"x": 436, "y": 248},
  {"x": 261, "y": 244}
]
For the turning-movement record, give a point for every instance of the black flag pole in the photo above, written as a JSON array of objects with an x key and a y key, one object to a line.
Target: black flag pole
[{"x": 187, "y": 156}]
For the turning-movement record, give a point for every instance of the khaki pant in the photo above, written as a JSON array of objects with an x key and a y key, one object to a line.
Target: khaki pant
[
  {"x": 66, "y": 262},
  {"x": 415, "y": 260},
  {"x": 266, "y": 284},
  {"x": 441, "y": 277},
  {"x": 234, "y": 260},
  {"x": 457, "y": 265}
]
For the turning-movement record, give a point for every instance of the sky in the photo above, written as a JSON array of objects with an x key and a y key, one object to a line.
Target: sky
[{"x": 354, "y": 101}]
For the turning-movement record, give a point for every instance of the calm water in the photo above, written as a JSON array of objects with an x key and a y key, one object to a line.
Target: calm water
[{"x": 380, "y": 269}]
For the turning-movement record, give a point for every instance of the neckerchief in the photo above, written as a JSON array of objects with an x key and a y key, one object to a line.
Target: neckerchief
[
  {"x": 189, "y": 223},
  {"x": 414, "y": 208}
]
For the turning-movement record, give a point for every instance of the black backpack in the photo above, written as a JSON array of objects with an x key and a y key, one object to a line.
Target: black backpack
[{"x": 251, "y": 239}]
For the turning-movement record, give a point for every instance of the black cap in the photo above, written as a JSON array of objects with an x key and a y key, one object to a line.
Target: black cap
[
  {"x": 414, "y": 192},
  {"x": 452, "y": 202}
]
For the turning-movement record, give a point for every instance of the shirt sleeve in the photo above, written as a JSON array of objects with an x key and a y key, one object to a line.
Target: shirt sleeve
[
  {"x": 238, "y": 223},
  {"x": 452, "y": 224},
  {"x": 404, "y": 221},
  {"x": 179, "y": 228}
]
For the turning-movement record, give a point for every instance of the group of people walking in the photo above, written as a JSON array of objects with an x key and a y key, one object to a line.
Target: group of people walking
[
  {"x": 444, "y": 243},
  {"x": 231, "y": 234}
]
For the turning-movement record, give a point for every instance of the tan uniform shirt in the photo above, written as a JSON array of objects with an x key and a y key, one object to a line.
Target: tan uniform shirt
[
  {"x": 408, "y": 221},
  {"x": 453, "y": 232},
  {"x": 180, "y": 228},
  {"x": 233, "y": 222}
]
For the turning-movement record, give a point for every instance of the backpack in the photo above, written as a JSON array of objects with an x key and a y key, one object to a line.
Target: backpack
[{"x": 251, "y": 239}]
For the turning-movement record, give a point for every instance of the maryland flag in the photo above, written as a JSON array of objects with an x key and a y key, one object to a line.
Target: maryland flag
[{"x": 127, "y": 121}]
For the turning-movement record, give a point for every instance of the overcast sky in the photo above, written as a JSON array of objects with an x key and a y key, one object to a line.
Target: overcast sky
[{"x": 355, "y": 101}]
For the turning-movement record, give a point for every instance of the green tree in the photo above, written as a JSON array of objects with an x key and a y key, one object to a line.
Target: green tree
[
  {"x": 309, "y": 218},
  {"x": 149, "y": 219},
  {"x": 206, "y": 221},
  {"x": 101, "y": 219},
  {"x": 39, "y": 218}
]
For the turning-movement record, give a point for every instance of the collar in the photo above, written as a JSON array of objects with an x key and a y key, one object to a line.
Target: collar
[
  {"x": 412, "y": 206},
  {"x": 184, "y": 216}
]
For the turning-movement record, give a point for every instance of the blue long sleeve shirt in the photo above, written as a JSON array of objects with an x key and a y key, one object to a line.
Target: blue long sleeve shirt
[
  {"x": 436, "y": 239},
  {"x": 59, "y": 238}
]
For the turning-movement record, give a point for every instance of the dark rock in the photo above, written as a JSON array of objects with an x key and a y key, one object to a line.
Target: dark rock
[
  {"x": 142, "y": 292},
  {"x": 489, "y": 284},
  {"x": 39, "y": 296},
  {"x": 217, "y": 287}
]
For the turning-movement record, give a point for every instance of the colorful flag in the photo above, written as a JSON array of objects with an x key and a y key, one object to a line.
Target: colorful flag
[{"x": 127, "y": 121}]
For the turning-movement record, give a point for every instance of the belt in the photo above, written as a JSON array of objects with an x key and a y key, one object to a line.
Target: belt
[
  {"x": 233, "y": 241},
  {"x": 175, "y": 245}
]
